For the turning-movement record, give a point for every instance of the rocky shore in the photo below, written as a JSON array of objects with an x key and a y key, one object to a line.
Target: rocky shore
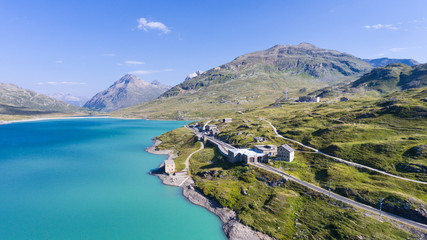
[{"x": 231, "y": 225}]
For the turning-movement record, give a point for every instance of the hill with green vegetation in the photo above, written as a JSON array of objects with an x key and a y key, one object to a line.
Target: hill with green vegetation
[
  {"x": 16, "y": 103},
  {"x": 387, "y": 133},
  {"x": 268, "y": 203},
  {"x": 253, "y": 79}
]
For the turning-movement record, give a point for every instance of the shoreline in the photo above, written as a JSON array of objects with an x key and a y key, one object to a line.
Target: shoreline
[
  {"x": 231, "y": 225},
  {"x": 4, "y": 122}
]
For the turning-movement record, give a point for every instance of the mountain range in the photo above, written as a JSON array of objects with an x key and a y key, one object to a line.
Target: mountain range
[
  {"x": 379, "y": 62},
  {"x": 127, "y": 91},
  {"x": 17, "y": 100},
  {"x": 381, "y": 80},
  {"x": 253, "y": 79},
  {"x": 70, "y": 99}
]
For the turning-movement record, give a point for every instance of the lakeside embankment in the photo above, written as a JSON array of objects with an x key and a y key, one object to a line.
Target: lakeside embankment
[{"x": 232, "y": 227}]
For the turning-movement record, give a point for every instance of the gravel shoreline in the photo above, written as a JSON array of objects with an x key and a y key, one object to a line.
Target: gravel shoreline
[{"x": 232, "y": 227}]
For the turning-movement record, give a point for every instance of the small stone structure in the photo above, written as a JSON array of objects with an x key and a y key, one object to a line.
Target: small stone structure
[
  {"x": 213, "y": 130},
  {"x": 269, "y": 150},
  {"x": 210, "y": 127},
  {"x": 227, "y": 120},
  {"x": 343, "y": 99},
  {"x": 169, "y": 166},
  {"x": 259, "y": 139},
  {"x": 285, "y": 153}
]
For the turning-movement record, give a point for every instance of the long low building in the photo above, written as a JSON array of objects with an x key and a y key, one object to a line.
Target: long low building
[{"x": 246, "y": 156}]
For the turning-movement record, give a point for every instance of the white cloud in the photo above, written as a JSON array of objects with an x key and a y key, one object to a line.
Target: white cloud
[
  {"x": 59, "y": 61},
  {"x": 61, "y": 83},
  {"x": 143, "y": 72},
  {"x": 397, "y": 49},
  {"x": 109, "y": 55},
  {"x": 381, "y": 26},
  {"x": 144, "y": 24},
  {"x": 129, "y": 62}
]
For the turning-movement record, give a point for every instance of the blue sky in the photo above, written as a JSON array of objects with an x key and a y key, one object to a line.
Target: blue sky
[{"x": 82, "y": 47}]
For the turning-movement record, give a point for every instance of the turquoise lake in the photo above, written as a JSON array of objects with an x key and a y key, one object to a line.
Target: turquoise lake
[{"x": 88, "y": 179}]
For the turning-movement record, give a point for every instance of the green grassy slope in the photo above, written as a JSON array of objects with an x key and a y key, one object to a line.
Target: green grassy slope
[
  {"x": 387, "y": 133},
  {"x": 282, "y": 209}
]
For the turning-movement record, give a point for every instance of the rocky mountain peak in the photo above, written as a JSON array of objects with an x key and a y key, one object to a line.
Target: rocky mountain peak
[{"x": 129, "y": 90}]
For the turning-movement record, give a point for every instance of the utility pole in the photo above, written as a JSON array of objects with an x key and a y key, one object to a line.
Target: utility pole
[
  {"x": 330, "y": 188},
  {"x": 381, "y": 204}
]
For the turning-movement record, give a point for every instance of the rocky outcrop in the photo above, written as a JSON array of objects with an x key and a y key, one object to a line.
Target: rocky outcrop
[
  {"x": 128, "y": 91},
  {"x": 194, "y": 74}
]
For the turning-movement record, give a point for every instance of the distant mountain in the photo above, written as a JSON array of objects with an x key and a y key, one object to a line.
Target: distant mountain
[
  {"x": 396, "y": 76},
  {"x": 379, "y": 62},
  {"x": 70, "y": 99},
  {"x": 383, "y": 80},
  {"x": 253, "y": 79},
  {"x": 18, "y": 98},
  {"x": 128, "y": 91}
]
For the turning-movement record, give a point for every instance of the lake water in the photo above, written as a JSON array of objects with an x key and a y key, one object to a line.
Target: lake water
[{"x": 88, "y": 179}]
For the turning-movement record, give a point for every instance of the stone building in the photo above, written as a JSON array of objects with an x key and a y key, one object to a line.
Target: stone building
[
  {"x": 246, "y": 156},
  {"x": 169, "y": 166},
  {"x": 227, "y": 120},
  {"x": 285, "y": 153}
]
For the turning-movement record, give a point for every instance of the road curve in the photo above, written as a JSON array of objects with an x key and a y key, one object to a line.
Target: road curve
[
  {"x": 342, "y": 160},
  {"x": 187, "y": 161},
  {"x": 341, "y": 198}
]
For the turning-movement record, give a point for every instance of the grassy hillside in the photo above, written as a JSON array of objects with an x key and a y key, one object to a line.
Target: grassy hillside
[
  {"x": 387, "y": 133},
  {"x": 271, "y": 205},
  {"x": 251, "y": 80},
  {"x": 281, "y": 209}
]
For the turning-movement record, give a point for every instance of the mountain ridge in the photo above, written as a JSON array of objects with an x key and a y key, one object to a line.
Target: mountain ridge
[
  {"x": 379, "y": 62},
  {"x": 253, "y": 79},
  {"x": 17, "y": 97}
]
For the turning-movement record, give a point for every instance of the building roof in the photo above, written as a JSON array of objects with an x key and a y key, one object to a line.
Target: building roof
[
  {"x": 266, "y": 147},
  {"x": 169, "y": 162},
  {"x": 246, "y": 151},
  {"x": 288, "y": 148}
]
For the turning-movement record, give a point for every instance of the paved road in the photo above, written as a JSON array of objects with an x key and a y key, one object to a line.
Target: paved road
[
  {"x": 342, "y": 160},
  {"x": 204, "y": 126},
  {"x": 187, "y": 161},
  {"x": 341, "y": 198}
]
